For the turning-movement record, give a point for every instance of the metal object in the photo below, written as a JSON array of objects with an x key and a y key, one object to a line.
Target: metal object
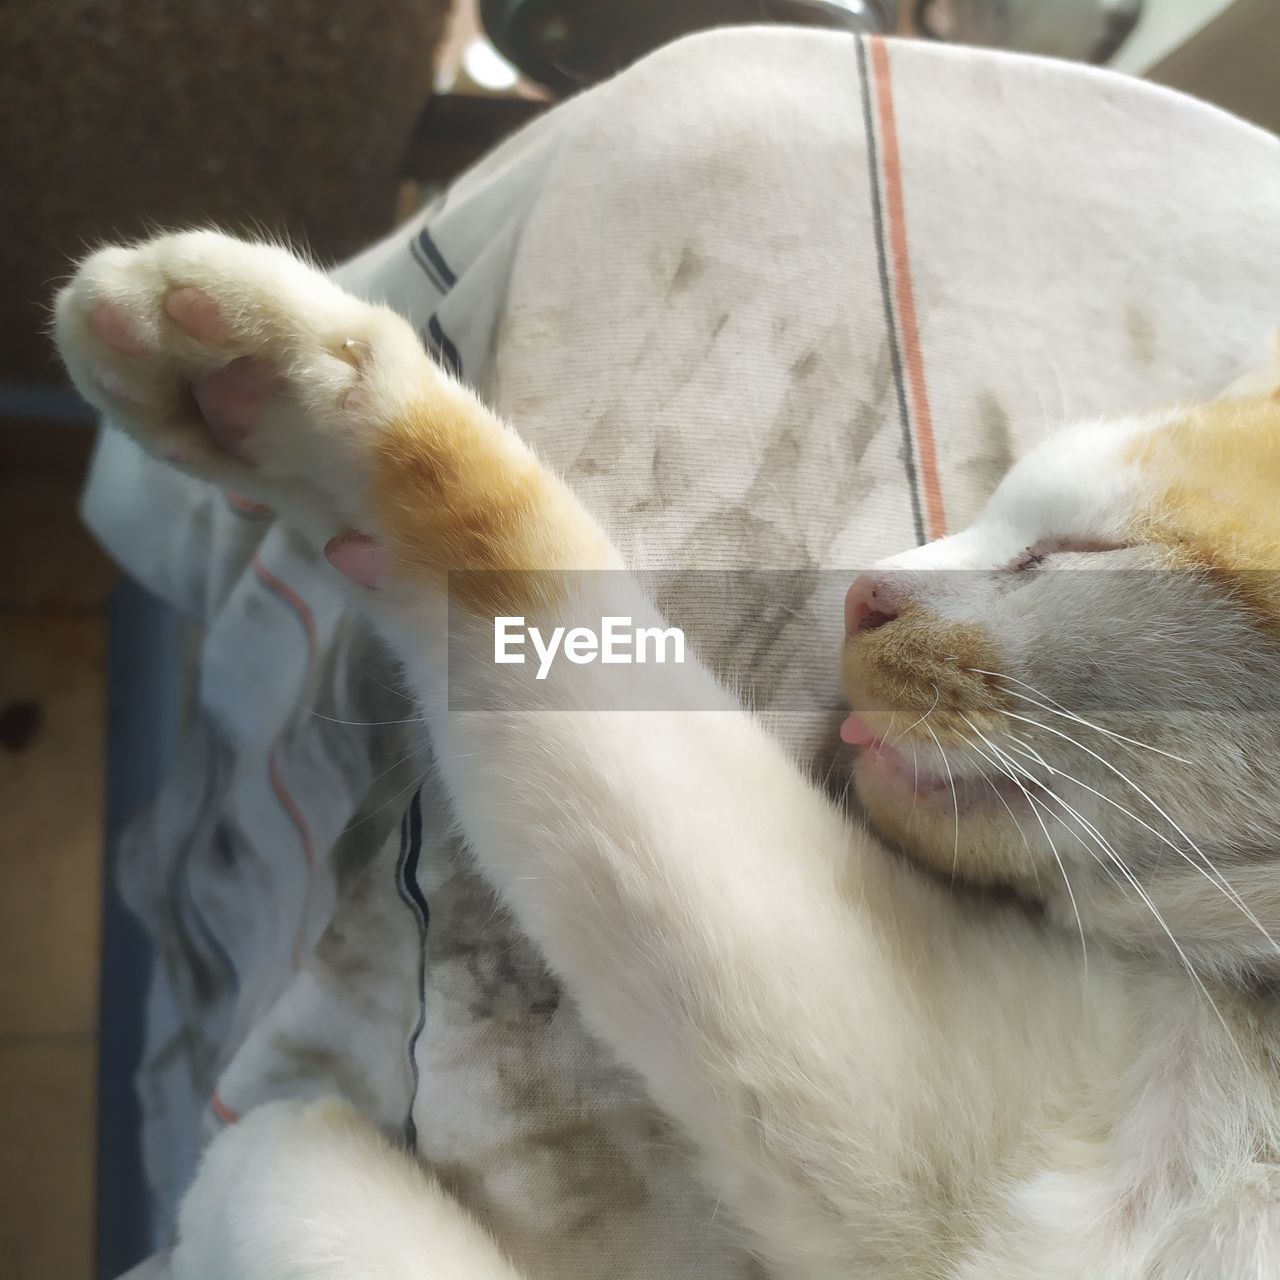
[
  {"x": 1091, "y": 30},
  {"x": 569, "y": 44}
]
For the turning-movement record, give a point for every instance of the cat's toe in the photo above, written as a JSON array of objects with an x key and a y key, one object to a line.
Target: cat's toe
[
  {"x": 139, "y": 347},
  {"x": 232, "y": 401},
  {"x": 220, "y": 355}
]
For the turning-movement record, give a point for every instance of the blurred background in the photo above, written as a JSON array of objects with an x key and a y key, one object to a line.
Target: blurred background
[{"x": 328, "y": 122}]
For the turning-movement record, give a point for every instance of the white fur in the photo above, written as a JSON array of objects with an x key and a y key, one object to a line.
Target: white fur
[
  {"x": 311, "y": 1190},
  {"x": 882, "y": 1079}
]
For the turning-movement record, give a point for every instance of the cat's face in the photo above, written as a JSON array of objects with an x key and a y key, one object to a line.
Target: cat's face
[{"x": 1079, "y": 696}]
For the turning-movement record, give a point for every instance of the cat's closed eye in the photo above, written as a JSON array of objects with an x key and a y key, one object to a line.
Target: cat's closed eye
[{"x": 1034, "y": 556}]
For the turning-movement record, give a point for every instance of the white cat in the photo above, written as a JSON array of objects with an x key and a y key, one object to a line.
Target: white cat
[{"x": 882, "y": 1077}]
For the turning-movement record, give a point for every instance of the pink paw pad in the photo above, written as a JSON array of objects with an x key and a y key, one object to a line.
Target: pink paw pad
[
  {"x": 358, "y": 557},
  {"x": 110, "y": 325},
  {"x": 196, "y": 313},
  {"x": 231, "y": 401}
]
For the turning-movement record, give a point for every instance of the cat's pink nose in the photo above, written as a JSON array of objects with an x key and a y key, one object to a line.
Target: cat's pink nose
[{"x": 870, "y": 603}]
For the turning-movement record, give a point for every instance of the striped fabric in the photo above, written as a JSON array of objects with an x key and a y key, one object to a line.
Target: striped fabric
[
  {"x": 772, "y": 300},
  {"x": 893, "y": 258}
]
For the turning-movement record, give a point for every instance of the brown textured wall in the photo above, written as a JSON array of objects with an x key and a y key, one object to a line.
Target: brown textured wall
[{"x": 116, "y": 115}]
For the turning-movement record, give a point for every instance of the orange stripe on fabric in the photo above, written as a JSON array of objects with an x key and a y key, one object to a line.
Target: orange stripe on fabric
[
  {"x": 303, "y": 612},
  {"x": 282, "y": 794},
  {"x": 290, "y": 597},
  {"x": 891, "y": 167},
  {"x": 244, "y": 507}
]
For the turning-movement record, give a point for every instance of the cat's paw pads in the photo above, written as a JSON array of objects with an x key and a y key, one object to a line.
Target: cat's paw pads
[{"x": 229, "y": 357}]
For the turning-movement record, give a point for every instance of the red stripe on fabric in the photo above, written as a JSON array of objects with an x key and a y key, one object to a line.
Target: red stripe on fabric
[
  {"x": 303, "y": 612},
  {"x": 244, "y": 507},
  {"x": 222, "y": 1111},
  {"x": 291, "y": 598},
  {"x": 895, "y": 216},
  {"x": 308, "y": 852},
  {"x": 295, "y": 814}
]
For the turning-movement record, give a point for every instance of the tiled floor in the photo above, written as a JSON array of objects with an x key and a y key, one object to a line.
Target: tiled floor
[{"x": 53, "y": 589}]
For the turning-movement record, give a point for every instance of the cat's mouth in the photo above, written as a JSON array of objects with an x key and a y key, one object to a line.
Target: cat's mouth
[{"x": 924, "y": 774}]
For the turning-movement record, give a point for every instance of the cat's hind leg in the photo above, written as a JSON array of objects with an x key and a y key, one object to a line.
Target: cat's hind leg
[{"x": 312, "y": 1191}]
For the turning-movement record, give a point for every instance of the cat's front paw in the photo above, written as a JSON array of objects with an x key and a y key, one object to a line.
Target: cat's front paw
[
  {"x": 242, "y": 364},
  {"x": 239, "y": 362}
]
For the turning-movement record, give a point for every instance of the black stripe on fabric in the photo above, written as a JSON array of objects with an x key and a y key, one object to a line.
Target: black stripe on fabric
[
  {"x": 886, "y": 291},
  {"x": 445, "y": 351},
  {"x": 412, "y": 896},
  {"x": 436, "y": 258},
  {"x": 427, "y": 255},
  {"x": 421, "y": 259}
]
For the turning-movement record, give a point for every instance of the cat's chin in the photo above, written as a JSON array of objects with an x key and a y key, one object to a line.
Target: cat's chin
[
  {"x": 902, "y": 776},
  {"x": 963, "y": 828},
  {"x": 901, "y": 771}
]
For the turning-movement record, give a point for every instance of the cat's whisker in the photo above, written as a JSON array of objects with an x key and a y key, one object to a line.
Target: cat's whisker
[
  {"x": 1132, "y": 880},
  {"x": 1136, "y": 885},
  {"x": 360, "y": 724},
  {"x": 1017, "y": 826},
  {"x": 403, "y": 758},
  {"x": 1013, "y": 770},
  {"x": 1028, "y": 748},
  {"x": 892, "y": 742},
  {"x": 1204, "y": 866},
  {"x": 1207, "y": 870},
  {"x": 367, "y": 673},
  {"x": 1053, "y": 849},
  {"x": 1057, "y": 709},
  {"x": 955, "y": 801},
  {"x": 415, "y": 782}
]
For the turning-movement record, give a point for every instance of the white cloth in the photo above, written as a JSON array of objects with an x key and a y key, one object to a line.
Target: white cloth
[{"x": 772, "y": 299}]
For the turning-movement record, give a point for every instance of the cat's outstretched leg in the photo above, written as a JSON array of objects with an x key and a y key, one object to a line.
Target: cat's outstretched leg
[{"x": 241, "y": 364}]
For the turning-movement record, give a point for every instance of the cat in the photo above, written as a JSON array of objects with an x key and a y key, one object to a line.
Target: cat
[{"x": 883, "y": 1074}]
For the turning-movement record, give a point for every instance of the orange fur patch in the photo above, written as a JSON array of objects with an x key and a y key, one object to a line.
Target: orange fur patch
[
  {"x": 457, "y": 491},
  {"x": 922, "y": 665},
  {"x": 1216, "y": 482}
]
